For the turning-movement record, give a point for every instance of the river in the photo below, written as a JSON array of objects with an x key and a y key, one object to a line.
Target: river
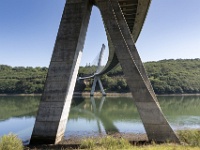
[{"x": 94, "y": 116}]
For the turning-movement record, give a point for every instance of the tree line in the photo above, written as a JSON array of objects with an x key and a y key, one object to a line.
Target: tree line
[
  {"x": 166, "y": 76},
  {"x": 18, "y": 80}
]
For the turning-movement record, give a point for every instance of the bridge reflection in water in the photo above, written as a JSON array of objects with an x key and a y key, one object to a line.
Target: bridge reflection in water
[
  {"x": 97, "y": 116},
  {"x": 17, "y": 115},
  {"x": 101, "y": 117},
  {"x": 93, "y": 117}
]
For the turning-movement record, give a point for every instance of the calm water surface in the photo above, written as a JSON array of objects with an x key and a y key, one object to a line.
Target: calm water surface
[{"x": 94, "y": 116}]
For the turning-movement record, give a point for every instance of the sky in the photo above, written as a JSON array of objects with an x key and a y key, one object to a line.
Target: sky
[{"x": 28, "y": 30}]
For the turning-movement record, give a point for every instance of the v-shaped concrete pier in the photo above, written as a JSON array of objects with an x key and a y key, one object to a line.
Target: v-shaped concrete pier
[{"x": 123, "y": 20}]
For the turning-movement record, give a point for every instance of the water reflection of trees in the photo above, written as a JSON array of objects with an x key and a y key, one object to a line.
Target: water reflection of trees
[
  {"x": 115, "y": 108},
  {"x": 124, "y": 108},
  {"x": 111, "y": 110},
  {"x": 18, "y": 106},
  {"x": 105, "y": 111},
  {"x": 180, "y": 105}
]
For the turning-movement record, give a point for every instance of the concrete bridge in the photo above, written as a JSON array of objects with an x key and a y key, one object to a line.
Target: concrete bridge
[
  {"x": 134, "y": 12},
  {"x": 123, "y": 20}
]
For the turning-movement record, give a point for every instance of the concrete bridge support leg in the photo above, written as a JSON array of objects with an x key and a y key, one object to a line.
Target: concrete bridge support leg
[
  {"x": 101, "y": 87},
  {"x": 56, "y": 99},
  {"x": 156, "y": 126},
  {"x": 97, "y": 79},
  {"x": 93, "y": 86}
]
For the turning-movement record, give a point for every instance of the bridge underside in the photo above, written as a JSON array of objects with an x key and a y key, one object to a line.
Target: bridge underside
[
  {"x": 123, "y": 20},
  {"x": 134, "y": 12}
]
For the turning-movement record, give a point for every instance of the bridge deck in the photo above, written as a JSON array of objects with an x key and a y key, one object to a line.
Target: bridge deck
[{"x": 135, "y": 12}]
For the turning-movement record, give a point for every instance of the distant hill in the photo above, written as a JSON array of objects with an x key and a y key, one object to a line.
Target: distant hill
[
  {"x": 167, "y": 77},
  {"x": 174, "y": 76},
  {"x": 17, "y": 80}
]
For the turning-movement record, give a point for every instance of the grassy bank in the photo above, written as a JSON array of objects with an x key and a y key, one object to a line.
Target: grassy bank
[
  {"x": 190, "y": 140},
  {"x": 113, "y": 144},
  {"x": 10, "y": 142}
]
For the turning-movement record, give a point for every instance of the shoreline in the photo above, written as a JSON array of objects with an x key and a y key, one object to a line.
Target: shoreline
[
  {"x": 98, "y": 94},
  {"x": 136, "y": 137}
]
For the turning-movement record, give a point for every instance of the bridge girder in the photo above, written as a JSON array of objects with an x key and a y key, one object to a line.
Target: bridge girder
[{"x": 134, "y": 12}]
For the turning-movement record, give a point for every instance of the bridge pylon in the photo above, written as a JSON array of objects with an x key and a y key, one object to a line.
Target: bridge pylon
[
  {"x": 96, "y": 76},
  {"x": 123, "y": 20}
]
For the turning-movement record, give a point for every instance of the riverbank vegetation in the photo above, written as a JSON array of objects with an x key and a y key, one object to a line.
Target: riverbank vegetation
[
  {"x": 166, "y": 76},
  {"x": 190, "y": 137},
  {"x": 190, "y": 140},
  {"x": 18, "y": 80},
  {"x": 18, "y": 106},
  {"x": 10, "y": 142}
]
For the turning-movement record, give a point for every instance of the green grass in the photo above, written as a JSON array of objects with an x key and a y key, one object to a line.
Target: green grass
[
  {"x": 110, "y": 143},
  {"x": 105, "y": 143},
  {"x": 10, "y": 142},
  {"x": 190, "y": 137},
  {"x": 190, "y": 140}
]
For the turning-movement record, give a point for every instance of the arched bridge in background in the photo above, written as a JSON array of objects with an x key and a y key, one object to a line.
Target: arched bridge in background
[
  {"x": 96, "y": 74},
  {"x": 123, "y": 21}
]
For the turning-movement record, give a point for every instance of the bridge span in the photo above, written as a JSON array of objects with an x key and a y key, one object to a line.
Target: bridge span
[
  {"x": 123, "y": 21},
  {"x": 134, "y": 12}
]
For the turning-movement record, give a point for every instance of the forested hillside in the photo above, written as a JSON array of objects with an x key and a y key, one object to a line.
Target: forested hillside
[
  {"x": 174, "y": 76},
  {"x": 17, "y": 80},
  {"x": 166, "y": 76}
]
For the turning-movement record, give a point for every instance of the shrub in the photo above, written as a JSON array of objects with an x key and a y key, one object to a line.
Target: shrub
[{"x": 10, "y": 142}]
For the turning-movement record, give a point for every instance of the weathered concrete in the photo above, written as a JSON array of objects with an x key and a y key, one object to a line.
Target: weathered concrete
[
  {"x": 155, "y": 124},
  {"x": 120, "y": 22},
  {"x": 56, "y": 99},
  {"x": 134, "y": 12}
]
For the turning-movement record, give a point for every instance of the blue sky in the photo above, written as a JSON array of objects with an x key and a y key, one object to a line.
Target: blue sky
[{"x": 28, "y": 31}]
